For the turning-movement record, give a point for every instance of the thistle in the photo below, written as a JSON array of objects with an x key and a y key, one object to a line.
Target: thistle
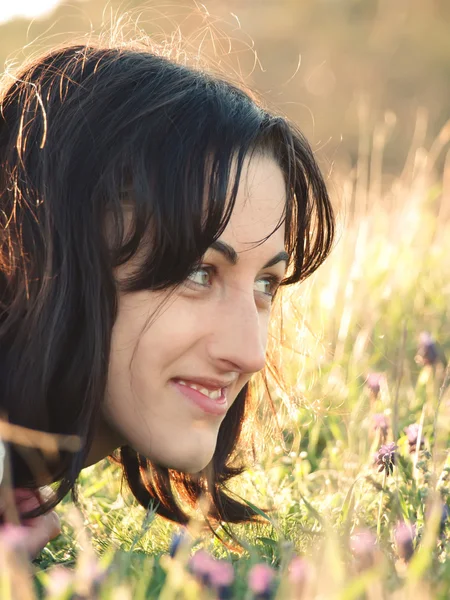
[
  {"x": 445, "y": 513},
  {"x": 427, "y": 352},
  {"x": 373, "y": 383},
  {"x": 380, "y": 424},
  {"x": 221, "y": 578},
  {"x": 213, "y": 574},
  {"x": 299, "y": 575},
  {"x": 412, "y": 433},
  {"x": 201, "y": 565},
  {"x": 404, "y": 535},
  {"x": 385, "y": 458},
  {"x": 260, "y": 581},
  {"x": 363, "y": 544}
]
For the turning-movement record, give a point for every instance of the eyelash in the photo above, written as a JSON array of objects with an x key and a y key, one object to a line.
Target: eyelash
[{"x": 273, "y": 280}]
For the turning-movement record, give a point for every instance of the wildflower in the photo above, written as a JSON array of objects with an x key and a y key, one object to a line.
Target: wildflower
[
  {"x": 177, "y": 539},
  {"x": 404, "y": 535},
  {"x": 221, "y": 578},
  {"x": 201, "y": 565},
  {"x": 380, "y": 424},
  {"x": 412, "y": 433},
  {"x": 445, "y": 513},
  {"x": 299, "y": 574},
  {"x": 373, "y": 383},
  {"x": 427, "y": 352},
  {"x": 216, "y": 574},
  {"x": 385, "y": 458},
  {"x": 261, "y": 580},
  {"x": 363, "y": 546}
]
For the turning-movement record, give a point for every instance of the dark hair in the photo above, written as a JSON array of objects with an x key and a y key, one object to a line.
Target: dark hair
[{"x": 82, "y": 129}]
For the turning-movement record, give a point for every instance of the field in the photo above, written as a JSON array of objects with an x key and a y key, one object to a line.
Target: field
[{"x": 353, "y": 474}]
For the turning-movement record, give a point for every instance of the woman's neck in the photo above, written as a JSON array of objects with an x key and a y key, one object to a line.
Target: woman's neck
[{"x": 105, "y": 441}]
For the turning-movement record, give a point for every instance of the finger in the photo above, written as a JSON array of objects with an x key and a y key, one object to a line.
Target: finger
[
  {"x": 54, "y": 525},
  {"x": 24, "y": 539},
  {"x": 40, "y": 531},
  {"x": 25, "y": 499}
]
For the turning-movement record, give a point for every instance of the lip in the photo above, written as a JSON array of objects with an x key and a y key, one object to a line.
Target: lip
[
  {"x": 217, "y": 407},
  {"x": 206, "y": 382}
]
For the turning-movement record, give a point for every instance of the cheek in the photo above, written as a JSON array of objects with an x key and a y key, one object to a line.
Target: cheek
[
  {"x": 142, "y": 361},
  {"x": 171, "y": 341},
  {"x": 264, "y": 325},
  {"x": 141, "y": 405},
  {"x": 148, "y": 327}
]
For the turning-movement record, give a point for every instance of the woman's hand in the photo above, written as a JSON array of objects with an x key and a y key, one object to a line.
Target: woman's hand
[{"x": 32, "y": 534}]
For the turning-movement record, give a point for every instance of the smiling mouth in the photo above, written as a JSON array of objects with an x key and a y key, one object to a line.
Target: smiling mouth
[
  {"x": 211, "y": 401},
  {"x": 213, "y": 394}
]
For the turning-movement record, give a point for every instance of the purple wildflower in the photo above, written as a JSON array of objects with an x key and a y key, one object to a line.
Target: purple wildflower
[
  {"x": 201, "y": 565},
  {"x": 445, "y": 513},
  {"x": 221, "y": 578},
  {"x": 261, "y": 580},
  {"x": 373, "y": 383},
  {"x": 427, "y": 352},
  {"x": 216, "y": 574},
  {"x": 381, "y": 424},
  {"x": 299, "y": 574},
  {"x": 385, "y": 458},
  {"x": 363, "y": 544},
  {"x": 404, "y": 535},
  {"x": 412, "y": 433}
]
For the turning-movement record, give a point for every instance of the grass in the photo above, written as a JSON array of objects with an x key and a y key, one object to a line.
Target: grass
[{"x": 387, "y": 281}]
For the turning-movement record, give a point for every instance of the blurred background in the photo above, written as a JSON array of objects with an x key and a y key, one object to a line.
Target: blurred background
[{"x": 339, "y": 68}]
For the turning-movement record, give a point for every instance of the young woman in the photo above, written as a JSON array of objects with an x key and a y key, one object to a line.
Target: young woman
[{"x": 149, "y": 213}]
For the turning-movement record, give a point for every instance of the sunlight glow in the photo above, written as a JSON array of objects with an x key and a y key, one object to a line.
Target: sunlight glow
[{"x": 28, "y": 9}]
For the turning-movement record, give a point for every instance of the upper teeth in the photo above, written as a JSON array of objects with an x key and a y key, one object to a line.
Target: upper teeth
[{"x": 213, "y": 394}]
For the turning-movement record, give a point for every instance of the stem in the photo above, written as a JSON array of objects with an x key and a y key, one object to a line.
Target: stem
[{"x": 380, "y": 508}]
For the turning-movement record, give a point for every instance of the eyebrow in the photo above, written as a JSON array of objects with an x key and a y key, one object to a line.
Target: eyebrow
[{"x": 231, "y": 255}]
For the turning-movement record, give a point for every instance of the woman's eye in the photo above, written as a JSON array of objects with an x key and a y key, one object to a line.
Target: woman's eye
[
  {"x": 204, "y": 276},
  {"x": 201, "y": 276},
  {"x": 267, "y": 285}
]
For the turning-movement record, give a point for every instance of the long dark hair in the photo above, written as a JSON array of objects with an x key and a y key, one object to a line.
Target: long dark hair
[{"x": 84, "y": 129}]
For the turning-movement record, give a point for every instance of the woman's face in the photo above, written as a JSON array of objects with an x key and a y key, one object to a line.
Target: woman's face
[{"x": 172, "y": 378}]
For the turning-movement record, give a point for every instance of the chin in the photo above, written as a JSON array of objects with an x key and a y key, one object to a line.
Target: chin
[
  {"x": 192, "y": 470},
  {"x": 188, "y": 456},
  {"x": 186, "y": 464},
  {"x": 189, "y": 468}
]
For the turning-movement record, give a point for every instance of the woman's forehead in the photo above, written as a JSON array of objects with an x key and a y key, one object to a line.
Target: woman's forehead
[{"x": 260, "y": 204}]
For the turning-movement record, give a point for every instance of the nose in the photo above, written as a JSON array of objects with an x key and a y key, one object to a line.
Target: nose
[{"x": 239, "y": 336}]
